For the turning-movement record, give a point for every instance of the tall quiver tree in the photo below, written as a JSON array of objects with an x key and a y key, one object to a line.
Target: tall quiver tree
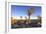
[{"x": 30, "y": 12}]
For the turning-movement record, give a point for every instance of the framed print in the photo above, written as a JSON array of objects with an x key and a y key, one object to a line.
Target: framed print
[{"x": 24, "y": 16}]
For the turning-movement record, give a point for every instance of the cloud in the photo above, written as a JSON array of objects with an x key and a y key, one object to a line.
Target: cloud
[{"x": 25, "y": 18}]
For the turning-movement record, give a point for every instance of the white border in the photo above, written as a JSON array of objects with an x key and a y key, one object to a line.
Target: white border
[{"x": 24, "y": 29}]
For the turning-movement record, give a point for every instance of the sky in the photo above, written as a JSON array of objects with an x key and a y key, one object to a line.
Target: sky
[{"x": 20, "y": 10}]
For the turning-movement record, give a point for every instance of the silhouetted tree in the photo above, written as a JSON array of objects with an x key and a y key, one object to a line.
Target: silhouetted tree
[{"x": 21, "y": 17}]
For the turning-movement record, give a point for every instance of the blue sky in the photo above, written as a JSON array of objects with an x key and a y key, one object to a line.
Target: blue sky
[{"x": 18, "y": 10}]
